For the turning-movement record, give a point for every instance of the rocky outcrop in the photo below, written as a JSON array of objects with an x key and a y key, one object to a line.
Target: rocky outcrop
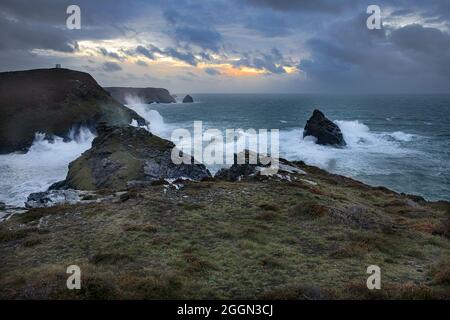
[
  {"x": 52, "y": 101},
  {"x": 326, "y": 132},
  {"x": 146, "y": 95},
  {"x": 188, "y": 99},
  {"x": 52, "y": 197},
  {"x": 121, "y": 157},
  {"x": 246, "y": 168}
]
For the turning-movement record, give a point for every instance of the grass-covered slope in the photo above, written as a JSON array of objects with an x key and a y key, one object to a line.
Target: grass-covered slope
[{"x": 308, "y": 238}]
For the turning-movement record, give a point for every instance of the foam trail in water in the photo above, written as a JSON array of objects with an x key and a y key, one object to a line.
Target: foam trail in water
[
  {"x": 45, "y": 163},
  {"x": 364, "y": 148}
]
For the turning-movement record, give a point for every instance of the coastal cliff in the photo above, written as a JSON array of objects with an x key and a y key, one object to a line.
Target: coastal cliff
[
  {"x": 141, "y": 227},
  {"x": 53, "y": 101},
  {"x": 146, "y": 95}
]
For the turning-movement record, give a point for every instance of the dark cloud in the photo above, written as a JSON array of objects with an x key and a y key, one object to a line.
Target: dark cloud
[
  {"x": 325, "y": 6},
  {"x": 109, "y": 54},
  {"x": 191, "y": 24},
  {"x": 427, "y": 47},
  {"x": 21, "y": 35},
  {"x": 201, "y": 37},
  {"x": 271, "y": 62},
  {"x": 417, "y": 38},
  {"x": 148, "y": 51},
  {"x": 111, "y": 67},
  {"x": 268, "y": 24},
  {"x": 212, "y": 71},
  {"x": 350, "y": 57},
  {"x": 329, "y": 37},
  {"x": 182, "y": 56},
  {"x": 142, "y": 63}
]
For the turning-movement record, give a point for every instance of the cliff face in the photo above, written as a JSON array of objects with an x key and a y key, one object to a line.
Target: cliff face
[
  {"x": 147, "y": 95},
  {"x": 52, "y": 101}
]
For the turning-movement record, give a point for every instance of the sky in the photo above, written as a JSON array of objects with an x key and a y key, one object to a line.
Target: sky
[{"x": 236, "y": 46}]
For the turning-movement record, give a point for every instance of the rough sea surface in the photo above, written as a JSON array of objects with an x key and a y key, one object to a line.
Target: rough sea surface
[{"x": 398, "y": 141}]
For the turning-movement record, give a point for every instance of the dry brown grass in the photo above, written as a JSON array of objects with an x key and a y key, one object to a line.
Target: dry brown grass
[
  {"x": 7, "y": 235},
  {"x": 442, "y": 228},
  {"x": 110, "y": 258},
  {"x": 269, "y": 207},
  {"x": 310, "y": 209},
  {"x": 145, "y": 227},
  {"x": 441, "y": 273},
  {"x": 294, "y": 292},
  {"x": 391, "y": 291}
]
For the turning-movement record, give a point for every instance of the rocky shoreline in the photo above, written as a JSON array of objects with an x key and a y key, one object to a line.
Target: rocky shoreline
[
  {"x": 300, "y": 234},
  {"x": 142, "y": 227}
]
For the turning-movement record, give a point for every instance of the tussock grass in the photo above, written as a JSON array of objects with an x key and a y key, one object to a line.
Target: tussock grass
[{"x": 220, "y": 240}]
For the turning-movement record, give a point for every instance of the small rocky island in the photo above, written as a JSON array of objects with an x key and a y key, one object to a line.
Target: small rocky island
[
  {"x": 188, "y": 99},
  {"x": 325, "y": 131}
]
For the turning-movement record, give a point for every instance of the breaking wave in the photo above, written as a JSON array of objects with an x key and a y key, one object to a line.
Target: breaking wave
[
  {"x": 363, "y": 149},
  {"x": 45, "y": 163}
]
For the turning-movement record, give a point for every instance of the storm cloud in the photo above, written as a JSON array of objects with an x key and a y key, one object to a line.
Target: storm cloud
[{"x": 278, "y": 45}]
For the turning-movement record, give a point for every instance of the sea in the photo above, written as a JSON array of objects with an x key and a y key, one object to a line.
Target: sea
[{"x": 398, "y": 141}]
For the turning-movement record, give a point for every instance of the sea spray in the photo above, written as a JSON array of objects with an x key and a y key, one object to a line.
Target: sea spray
[
  {"x": 364, "y": 148},
  {"x": 45, "y": 162}
]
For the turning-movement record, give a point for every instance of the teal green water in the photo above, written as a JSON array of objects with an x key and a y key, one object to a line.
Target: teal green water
[{"x": 398, "y": 141}]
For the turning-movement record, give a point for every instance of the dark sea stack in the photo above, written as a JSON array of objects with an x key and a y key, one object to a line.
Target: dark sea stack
[
  {"x": 326, "y": 132},
  {"x": 146, "y": 95},
  {"x": 188, "y": 99},
  {"x": 127, "y": 156},
  {"x": 52, "y": 101}
]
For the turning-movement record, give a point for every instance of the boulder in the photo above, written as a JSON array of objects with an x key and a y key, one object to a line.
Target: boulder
[
  {"x": 53, "y": 101},
  {"x": 146, "y": 95},
  {"x": 326, "y": 132},
  {"x": 122, "y": 157},
  {"x": 52, "y": 197},
  {"x": 188, "y": 99},
  {"x": 246, "y": 169}
]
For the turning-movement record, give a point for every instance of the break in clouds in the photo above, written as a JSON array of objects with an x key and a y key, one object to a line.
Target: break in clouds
[{"x": 236, "y": 46}]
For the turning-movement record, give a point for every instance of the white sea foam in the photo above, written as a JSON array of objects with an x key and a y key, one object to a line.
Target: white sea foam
[
  {"x": 401, "y": 136},
  {"x": 157, "y": 124},
  {"x": 364, "y": 148},
  {"x": 45, "y": 163}
]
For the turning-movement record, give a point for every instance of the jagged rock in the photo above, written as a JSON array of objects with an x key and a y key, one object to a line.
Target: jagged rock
[
  {"x": 248, "y": 168},
  {"x": 188, "y": 99},
  {"x": 326, "y": 132},
  {"x": 2, "y": 206},
  {"x": 124, "y": 156},
  {"x": 146, "y": 95},
  {"x": 53, "y": 101},
  {"x": 51, "y": 198},
  {"x": 236, "y": 172}
]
